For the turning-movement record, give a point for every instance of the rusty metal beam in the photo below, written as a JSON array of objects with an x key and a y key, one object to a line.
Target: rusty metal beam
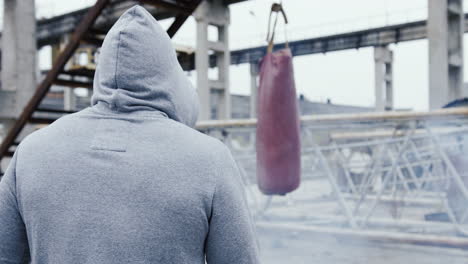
[
  {"x": 44, "y": 86},
  {"x": 175, "y": 26},
  {"x": 180, "y": 19}
]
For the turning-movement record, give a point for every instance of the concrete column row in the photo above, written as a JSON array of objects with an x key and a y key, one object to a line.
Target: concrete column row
[
  {"x": 215, "y": 97},
  {"x": 445, "y": 32},
  {"x": 383, "y": 58}
]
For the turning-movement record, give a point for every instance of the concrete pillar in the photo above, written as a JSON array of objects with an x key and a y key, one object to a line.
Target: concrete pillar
[
  {"x": 19, "y": 63},
  {"x": 19, "y": 48},
  {"x": 253, "y": 88},
  {"x": 202, "y": 66},
  {"x": 213, "y": 13},
  {"x": 69, "y": 99},
  {"x": 445, "y": 33},
  {"x": 383, "y": 58}
]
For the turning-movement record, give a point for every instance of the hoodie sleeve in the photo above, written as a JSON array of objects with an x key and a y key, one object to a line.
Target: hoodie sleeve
[
  {"x": 13, "y": 241},
  {"x": 231, "y": 237}
]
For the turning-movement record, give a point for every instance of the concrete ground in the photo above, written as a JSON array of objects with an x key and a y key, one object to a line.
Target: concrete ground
[{"x": 279, "y": 247}]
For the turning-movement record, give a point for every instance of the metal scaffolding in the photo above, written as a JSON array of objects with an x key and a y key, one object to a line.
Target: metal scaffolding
[
  {"x": 90, "y": 30},
  {"x": 398, "y": 175}
]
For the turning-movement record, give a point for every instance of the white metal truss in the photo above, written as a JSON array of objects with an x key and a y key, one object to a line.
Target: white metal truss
[{"x": 403, "y": 176}]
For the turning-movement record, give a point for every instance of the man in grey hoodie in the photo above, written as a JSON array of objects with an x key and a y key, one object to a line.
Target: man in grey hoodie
[{"x": 127, "y": 180}]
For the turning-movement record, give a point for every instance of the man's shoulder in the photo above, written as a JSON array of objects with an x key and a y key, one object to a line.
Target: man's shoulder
[
  {"x": 49, "y": 134},
  {"x": 200, "y": 140}
]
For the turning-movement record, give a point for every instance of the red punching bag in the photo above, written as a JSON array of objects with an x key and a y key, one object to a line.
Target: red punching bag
[{"x": 278, "y": 127}]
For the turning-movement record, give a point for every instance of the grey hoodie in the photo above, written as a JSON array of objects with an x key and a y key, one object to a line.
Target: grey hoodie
[{"x": 127, "y": 180}]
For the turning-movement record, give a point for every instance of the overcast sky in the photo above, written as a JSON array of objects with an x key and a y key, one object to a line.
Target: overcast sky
[{"x": 344, "y": 77}]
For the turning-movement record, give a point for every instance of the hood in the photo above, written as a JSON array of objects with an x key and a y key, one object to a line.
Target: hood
[{"x": 138, "y": 71}]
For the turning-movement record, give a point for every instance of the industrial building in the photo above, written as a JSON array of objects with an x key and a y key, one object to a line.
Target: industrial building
[{"x": 391, "y": 182}]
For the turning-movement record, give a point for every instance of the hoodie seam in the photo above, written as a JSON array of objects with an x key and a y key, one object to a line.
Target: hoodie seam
[
  {"x": 119, "y": 41},
  {"x": 213, "y": 197},
  {"x": 117, "y": 59},
  {"x": 94, "y": 113}
]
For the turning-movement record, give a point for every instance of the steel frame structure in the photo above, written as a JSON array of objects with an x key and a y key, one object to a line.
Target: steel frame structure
[
  {"x": 84, "y": 32},
  {"x": 392, "y": 174}
]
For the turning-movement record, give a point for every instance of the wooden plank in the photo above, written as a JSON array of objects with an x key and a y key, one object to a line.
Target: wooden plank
[{"x": 55, "y": 111}]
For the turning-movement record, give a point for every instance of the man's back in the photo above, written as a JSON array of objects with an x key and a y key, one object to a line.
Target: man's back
[{"x": 126, "y": 180}]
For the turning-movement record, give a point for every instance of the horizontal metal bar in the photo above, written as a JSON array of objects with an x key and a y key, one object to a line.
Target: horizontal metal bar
[
  {"x": 74, "y": 84},
  {"x": 41, "y": 120},
  {"x": 440, "y": 114},
  {"x": 49, "y": 31},
  {"x": 79, "y": 73}
]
